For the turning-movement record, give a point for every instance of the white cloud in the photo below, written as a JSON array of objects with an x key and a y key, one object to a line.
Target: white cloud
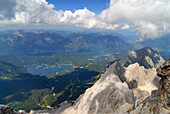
[
  {"x": 40, "y": 12},
  {"x": 77, "y": 17},
  {"x": 151, "y": 18},
  {"x": 28, "y": 11},
  {"x": 82, "y": 18},
  {"x": 124, "y": 27}
]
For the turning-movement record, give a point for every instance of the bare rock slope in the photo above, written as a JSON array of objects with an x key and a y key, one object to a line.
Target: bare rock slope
[{"x": 123, "y": 87}]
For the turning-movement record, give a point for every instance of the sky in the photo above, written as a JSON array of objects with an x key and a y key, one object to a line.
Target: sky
[
  {"x": 150, "y": 18},
  {"x": 95, "y": 6}
]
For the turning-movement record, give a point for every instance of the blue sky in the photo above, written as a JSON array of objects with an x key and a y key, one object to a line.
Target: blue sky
[{"x": 95, "y": 6}]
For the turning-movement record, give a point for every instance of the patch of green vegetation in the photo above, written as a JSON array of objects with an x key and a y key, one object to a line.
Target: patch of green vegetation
[
  {"x": 28, "y": 100},
  {"x": 91, "y": 60},
  {"x": 77, "y": 59},
  {"x": 27, "y": 91}
]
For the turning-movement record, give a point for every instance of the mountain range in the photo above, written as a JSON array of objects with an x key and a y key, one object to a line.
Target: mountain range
[
  {"x": 161, "y": 44},
  {"x": 35, "y": 42}
]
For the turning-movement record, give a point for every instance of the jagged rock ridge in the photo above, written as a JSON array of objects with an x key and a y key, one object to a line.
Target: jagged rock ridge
[
  {"x": 123, "y": 86},
  {"x": 146, "y": 57}
]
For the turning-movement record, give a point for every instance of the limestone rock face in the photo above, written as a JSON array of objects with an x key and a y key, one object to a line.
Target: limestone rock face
[
  {"x": 107, "y": 95},
  {"x": 159, "y": 101},
  {"x": 125, "y": 85},
  {"x": 141, "y": 81}
]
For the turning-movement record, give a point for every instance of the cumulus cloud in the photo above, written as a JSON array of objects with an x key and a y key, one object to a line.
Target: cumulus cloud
[
  {"x": 151, "y": 18},
  {"x": 124, "y": 27},
  {"x": 41, "y": 12},
  {"x": 33, "y": 11},
  {"x": 82, "y": 18}
]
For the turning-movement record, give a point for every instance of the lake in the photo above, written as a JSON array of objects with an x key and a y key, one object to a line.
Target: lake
[{"x": 46, "y": 70}]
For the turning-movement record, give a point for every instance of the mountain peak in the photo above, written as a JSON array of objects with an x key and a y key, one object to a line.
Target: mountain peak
[{"x": 146, "y": 57}]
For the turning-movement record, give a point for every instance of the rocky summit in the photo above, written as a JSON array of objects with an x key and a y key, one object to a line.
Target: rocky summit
[
  {"x": 125, "y": 86},
  {"x": 159, "y": 101},
  {"x": 146, "y": 57}
]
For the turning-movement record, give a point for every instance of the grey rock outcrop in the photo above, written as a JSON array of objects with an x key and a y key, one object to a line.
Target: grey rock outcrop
[
  {"x": 141, "y": 81},
  {"x": 6, "y": 110},
  {"x": 164, "y": 84},
  {"x": 159, "y": 101}
]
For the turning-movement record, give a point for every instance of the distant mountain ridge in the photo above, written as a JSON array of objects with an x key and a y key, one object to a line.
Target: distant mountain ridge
[
  {"x": 95, "y": 42},
  {"x": 26, "y": 42},
  {"x": 161, "y": 44}
]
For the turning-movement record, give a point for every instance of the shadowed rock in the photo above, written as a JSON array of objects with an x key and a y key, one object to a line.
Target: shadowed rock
[
  {"x": 6, "y": 110},
  {"x": 164, "y": 84},
  {"x": 164, "y": 70}
]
